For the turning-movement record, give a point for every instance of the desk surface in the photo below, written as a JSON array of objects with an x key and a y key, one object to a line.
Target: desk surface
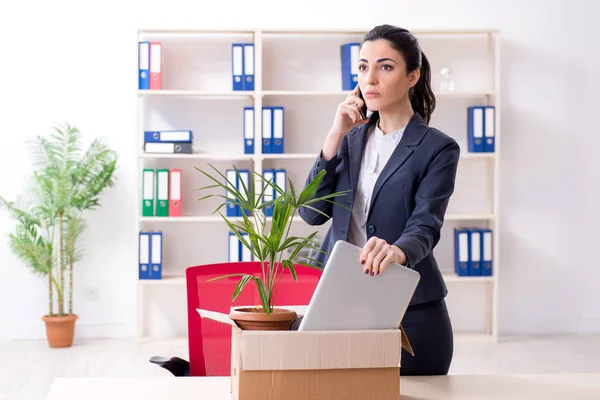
[{"x": 464, "y": 387}]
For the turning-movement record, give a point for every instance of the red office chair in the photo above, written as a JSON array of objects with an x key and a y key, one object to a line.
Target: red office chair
[{"x": 210, "y": 341}]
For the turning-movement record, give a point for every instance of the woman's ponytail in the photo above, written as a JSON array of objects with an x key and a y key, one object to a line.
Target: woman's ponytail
[{"x": 422, "y": 98}]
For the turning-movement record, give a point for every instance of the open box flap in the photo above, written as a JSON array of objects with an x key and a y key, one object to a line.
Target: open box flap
[
  {"x": 216, "y": 316},
  {"x": 406, "y": 343}
]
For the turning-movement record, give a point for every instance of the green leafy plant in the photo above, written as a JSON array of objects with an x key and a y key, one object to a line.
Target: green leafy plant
[
  {"x": 275, "y": 249},
  {"x": 50, "y": 216}
]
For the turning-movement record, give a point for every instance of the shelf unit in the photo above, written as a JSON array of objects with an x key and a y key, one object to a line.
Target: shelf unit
[
  {"x": 449, "y": 217},
  {"x": 291, "y": 156},
  {"x": 195, "y": 88}
]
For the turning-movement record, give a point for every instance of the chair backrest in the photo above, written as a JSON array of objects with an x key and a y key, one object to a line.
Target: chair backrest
[{"x": 209, "y": 342}]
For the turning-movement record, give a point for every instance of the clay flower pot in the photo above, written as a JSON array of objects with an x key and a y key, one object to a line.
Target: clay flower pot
[
  {"x": 60, "y": 330},
  {"x": 255, "y": 319}
]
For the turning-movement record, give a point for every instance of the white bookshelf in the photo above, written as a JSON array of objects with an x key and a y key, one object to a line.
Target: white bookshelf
[
  {"x": 197, "y": 93},
  {"x": 206, "y": 219},
  {"x": 290, "y": 156},
  {"x": 300, "y": 70},
  {"x": 199, "y": 156}
]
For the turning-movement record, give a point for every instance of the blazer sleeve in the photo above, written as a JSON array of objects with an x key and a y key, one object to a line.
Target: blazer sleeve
[
  {"x": 327, "y": 186},
  {"x": 422, "y": 230}
]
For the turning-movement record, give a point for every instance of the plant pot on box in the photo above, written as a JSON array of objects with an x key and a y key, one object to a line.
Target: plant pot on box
[
  {"x": 276, "y": 250},
  {"x": 256, "y": 319},
  {"x": 60, "y": 330}
]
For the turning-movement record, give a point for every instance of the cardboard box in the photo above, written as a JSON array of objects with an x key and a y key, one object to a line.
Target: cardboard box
[{"x": 328, "y": 365}]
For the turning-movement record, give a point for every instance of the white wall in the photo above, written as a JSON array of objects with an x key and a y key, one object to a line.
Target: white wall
[{"x": 61, "y": 62}]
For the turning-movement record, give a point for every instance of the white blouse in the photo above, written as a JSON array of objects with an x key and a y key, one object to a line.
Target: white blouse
[{"x": 378, "y": 149}]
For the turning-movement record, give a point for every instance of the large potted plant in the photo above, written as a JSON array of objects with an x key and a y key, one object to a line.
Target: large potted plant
[
  {"x": 50, "y": 218},
  {"x": 276, "y": 250}
]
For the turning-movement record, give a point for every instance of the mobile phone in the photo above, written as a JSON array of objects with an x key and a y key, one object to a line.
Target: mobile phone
[{"x": 360, "y": 109}]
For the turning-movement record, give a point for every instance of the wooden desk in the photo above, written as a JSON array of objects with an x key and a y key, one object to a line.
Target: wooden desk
[{"x": 463, "y": 387}]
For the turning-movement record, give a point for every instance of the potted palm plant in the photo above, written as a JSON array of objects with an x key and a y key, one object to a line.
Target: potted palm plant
[
  {"x": 276, "y": 250},
  {"x": 50, "y": 218}
]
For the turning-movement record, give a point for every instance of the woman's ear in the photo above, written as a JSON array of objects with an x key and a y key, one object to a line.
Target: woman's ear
[{"x": 413, "y": 77}]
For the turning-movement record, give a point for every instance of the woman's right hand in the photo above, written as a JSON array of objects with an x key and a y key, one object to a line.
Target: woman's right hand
[
  {"x": 346, "y": 118},
  {"x": 348, "y": 114}
]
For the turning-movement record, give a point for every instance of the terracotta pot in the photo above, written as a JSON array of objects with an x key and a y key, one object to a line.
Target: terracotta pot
[
  {"x": 255, "y": 319},
  {"x": 60, "y": 330}
]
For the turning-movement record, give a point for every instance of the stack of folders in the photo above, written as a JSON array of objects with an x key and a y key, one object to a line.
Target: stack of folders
[
  {"x": 237, "y": 250},
  {"x": 349, "y": 57},
  {"x": 473, "y": 251},
  {"x": 272, "y": 130},
  {"x": 481, "y": 129},
  {"x": 242, "y": 66},
  {"x": 169, "y": 142},
  {"x": 150, "y": 256},
  {"x": 161, "y": 192},
  {"x": 150, "y": 65}
]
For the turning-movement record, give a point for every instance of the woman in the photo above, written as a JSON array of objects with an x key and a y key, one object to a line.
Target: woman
[{"x": 401, "y": 174}]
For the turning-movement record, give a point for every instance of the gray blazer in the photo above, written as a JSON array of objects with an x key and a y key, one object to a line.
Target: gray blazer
[{"x": 409, "y": 199}]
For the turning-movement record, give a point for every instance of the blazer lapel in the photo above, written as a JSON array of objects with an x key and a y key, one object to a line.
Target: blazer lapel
[
  {"x": 356, "y": 146},
  {"x": 414, "y": 132}
]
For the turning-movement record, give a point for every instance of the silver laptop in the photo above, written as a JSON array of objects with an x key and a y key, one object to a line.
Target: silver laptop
[{"x": 348, "y": 299}]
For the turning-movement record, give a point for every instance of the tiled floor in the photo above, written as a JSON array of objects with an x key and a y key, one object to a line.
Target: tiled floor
[{"x": 29, "y": 367}]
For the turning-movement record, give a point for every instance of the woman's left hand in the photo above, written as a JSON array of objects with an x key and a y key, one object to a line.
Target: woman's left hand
[{"x": 377, "y": 254}]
